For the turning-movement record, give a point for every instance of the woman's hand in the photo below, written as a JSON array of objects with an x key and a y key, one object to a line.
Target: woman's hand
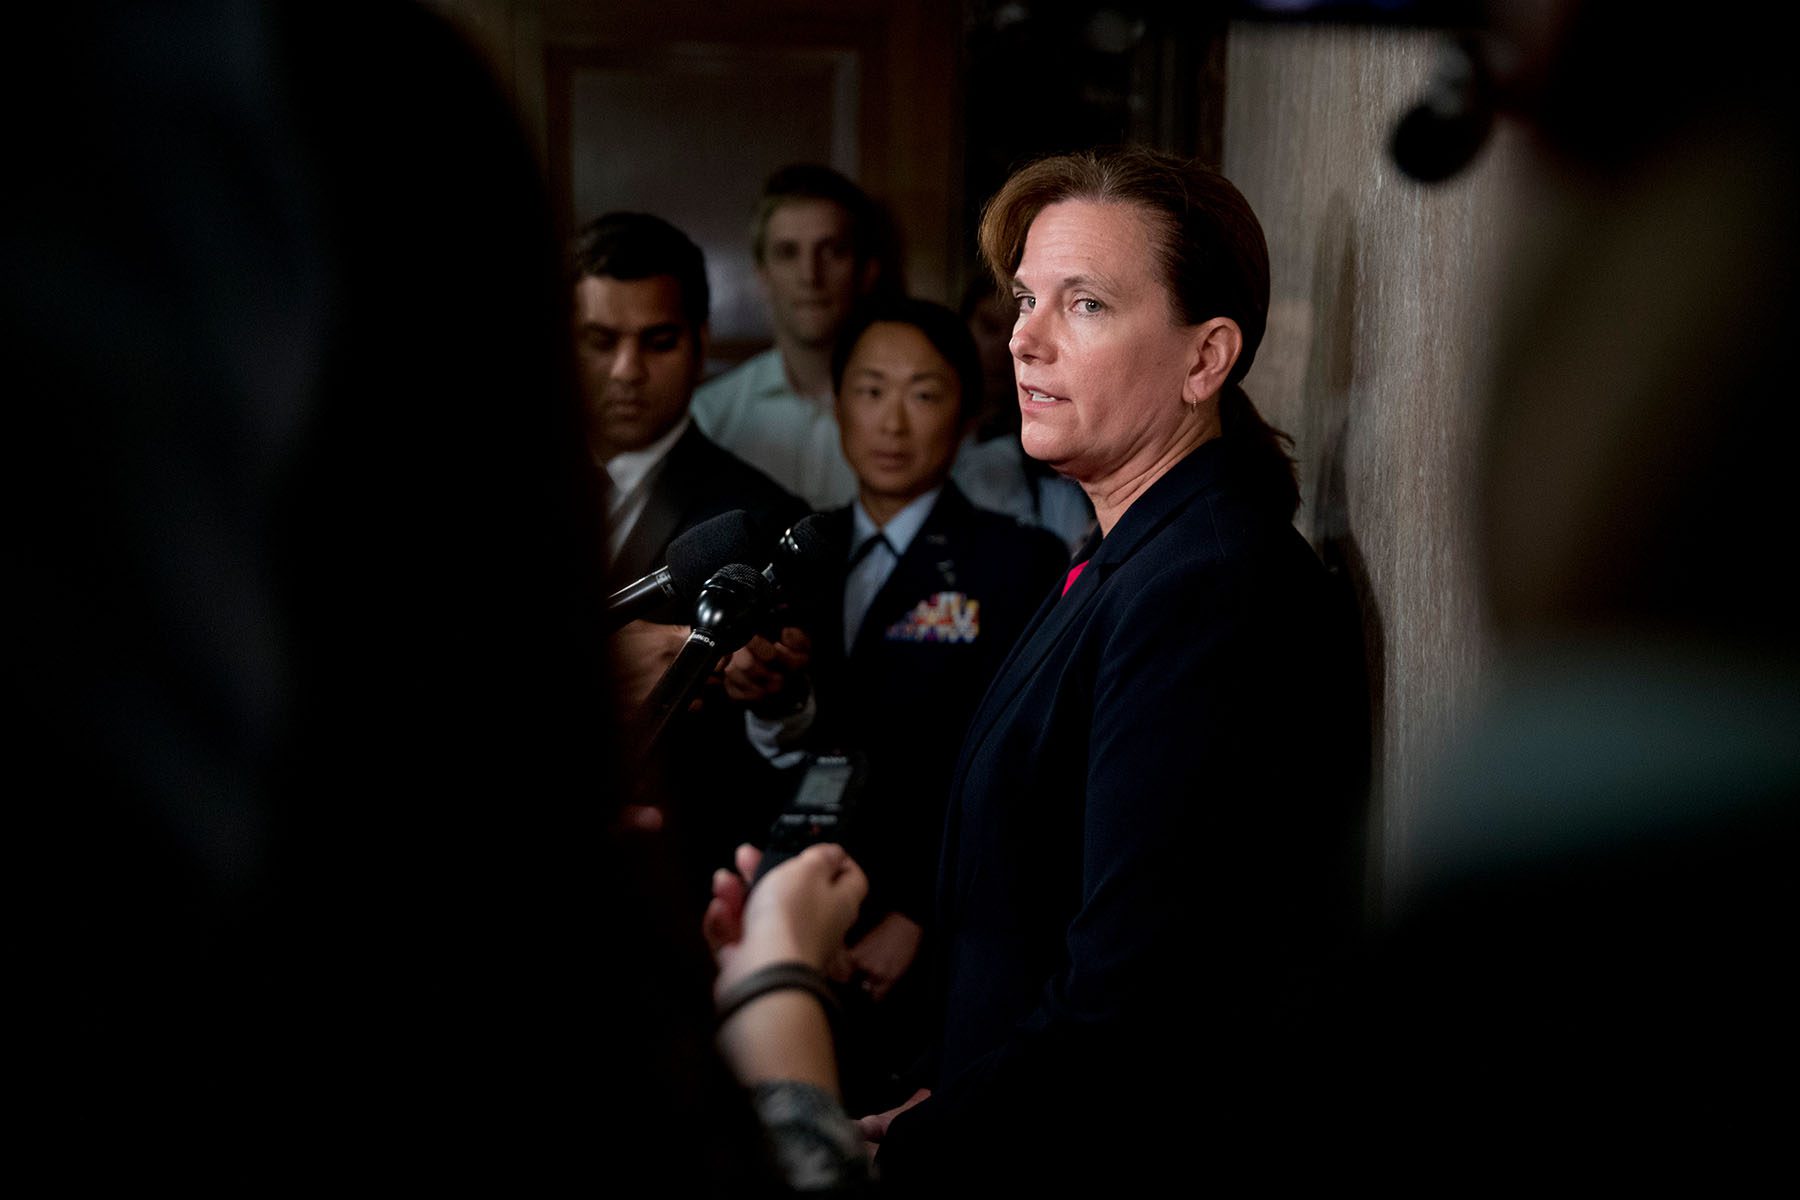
[
  {"x": 885, "y": 952},
  {"x": 799, "y": 912}
]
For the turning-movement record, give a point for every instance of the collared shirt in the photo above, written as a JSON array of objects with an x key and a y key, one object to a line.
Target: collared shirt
[
  {"x": 871, "y": 571},
  {"x": 754, "y": 412},
  {"x": 630, "y": 475}
]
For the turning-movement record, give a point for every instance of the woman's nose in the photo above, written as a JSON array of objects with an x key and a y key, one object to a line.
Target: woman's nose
[{"x": 1027, "y": 344}]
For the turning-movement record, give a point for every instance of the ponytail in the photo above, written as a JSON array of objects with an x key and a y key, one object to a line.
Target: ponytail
[{"x": 1265, "y": 451}]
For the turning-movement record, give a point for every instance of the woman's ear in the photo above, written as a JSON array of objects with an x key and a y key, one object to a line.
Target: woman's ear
[{"x": 1217, "y": 344}]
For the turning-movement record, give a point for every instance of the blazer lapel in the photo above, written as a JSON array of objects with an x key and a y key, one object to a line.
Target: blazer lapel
[
  {"x": 671, "y": 488},
  {"x": 1168, "y": 497}
]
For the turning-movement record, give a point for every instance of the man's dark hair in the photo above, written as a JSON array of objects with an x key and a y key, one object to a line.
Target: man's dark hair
[
  {"x": 946, "y": 332},
  {"x": 810, "y": 181},
  {"x": 633, "y": 245}
]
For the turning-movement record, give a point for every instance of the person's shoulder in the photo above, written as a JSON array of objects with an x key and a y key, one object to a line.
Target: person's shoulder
[
  {"x": 1212, "y": 561},
  {"x": 1014, "y": 536},
  {"x": 1008, "y": 545},
  {"x": 726, "y": 478},
  {"x": 996, "y": 458},
  {"x": 1213, "y": 533},
  {"x": 747, "y": 378}
]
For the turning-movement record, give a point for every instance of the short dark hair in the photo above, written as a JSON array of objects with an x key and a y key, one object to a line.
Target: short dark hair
[
  {"x": 810, "y": 181},
  {"x": 634, "y": 245},
  {"x": 1209, "y": 249},
  {"x": 946, "y": 332}
]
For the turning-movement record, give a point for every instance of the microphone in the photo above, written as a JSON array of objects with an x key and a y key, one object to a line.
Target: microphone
[
  {"x": 731, "y": 537},
  {"x": 802, "y": 558},
  {"x": 734, "y": 598},
  {"x": 731, "y": 600}
]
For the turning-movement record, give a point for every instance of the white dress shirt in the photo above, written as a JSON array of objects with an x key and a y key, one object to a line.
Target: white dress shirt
[
  {"x": 630, "y": 475},
  {"x": 754, "y": 412}
]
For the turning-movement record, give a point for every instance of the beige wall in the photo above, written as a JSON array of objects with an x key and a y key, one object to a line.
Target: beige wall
[
  {"x": 908, "y": 136},
  {"x": 1380, "y": 324}
]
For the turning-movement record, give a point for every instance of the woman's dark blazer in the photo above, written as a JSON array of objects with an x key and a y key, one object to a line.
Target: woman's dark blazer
[{"x": 1152, "y": 833}]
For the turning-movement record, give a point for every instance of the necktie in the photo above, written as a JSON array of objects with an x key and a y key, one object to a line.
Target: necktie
[
  {"x": 863, "y": 578},
  {"x": 609, "y": 498},
  {"x": 876, "y": 539}
]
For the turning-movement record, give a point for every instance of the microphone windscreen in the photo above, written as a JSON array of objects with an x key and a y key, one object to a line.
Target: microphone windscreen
[
  {"x": 808, "y": 543},
  {"x": 741, "y": 576},
  {"x": 731, "y": 537},
  {"x": 804, "y": 557},
  {"x": 733, "y": 592}
]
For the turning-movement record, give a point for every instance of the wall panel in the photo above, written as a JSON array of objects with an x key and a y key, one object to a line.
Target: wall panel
[{"x": 1381, "y": 322}]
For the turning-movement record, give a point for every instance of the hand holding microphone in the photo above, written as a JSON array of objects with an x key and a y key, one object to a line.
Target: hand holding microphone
[{"x": 734, "y": 598}]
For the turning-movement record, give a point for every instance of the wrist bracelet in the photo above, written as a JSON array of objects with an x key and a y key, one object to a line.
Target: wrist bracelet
[{"x": 777, "y": 977}]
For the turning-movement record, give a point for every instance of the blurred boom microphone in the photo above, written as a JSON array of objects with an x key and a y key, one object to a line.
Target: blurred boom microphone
[
  {"x": 1442, "y": 133},
  {"x": 731, "y": 537}
]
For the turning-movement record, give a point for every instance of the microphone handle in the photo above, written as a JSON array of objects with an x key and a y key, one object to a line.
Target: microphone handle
[
  {"x": 638, "y": 599},
  {"x": 723, "y": 616},
  {"x": 678, "y": 686}
]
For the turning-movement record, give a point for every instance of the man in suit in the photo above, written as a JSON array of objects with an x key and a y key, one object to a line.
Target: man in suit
[
  {"x": 640, "y": 311},
  {"x": 641, "y": 301},
  {"x": 931, "y": 594}
]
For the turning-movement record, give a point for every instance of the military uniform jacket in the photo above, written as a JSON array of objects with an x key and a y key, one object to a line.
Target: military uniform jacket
[{"x": 934, "y": 636}]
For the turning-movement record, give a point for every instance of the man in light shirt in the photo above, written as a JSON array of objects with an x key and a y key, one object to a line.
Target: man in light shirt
[{"x": 814, "y": 246}]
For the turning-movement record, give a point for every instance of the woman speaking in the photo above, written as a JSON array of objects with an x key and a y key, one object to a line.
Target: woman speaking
[{"x": 1153, "y": 823}]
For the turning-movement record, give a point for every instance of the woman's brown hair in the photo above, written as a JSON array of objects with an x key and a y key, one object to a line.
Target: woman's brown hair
[{"x": 1209, "y": 250}]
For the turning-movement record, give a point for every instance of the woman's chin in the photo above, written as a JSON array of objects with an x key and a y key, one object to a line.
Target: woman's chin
[{"x": 1045, "y": 445}]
